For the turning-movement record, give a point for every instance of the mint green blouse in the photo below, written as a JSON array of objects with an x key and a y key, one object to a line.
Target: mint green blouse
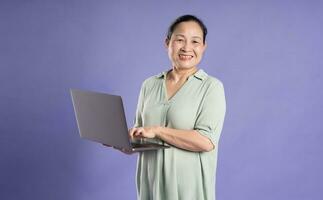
[{"x": 178, "y": 174}]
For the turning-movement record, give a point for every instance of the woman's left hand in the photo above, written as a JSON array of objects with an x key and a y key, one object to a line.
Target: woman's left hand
[{"x": 143, "y": 132}]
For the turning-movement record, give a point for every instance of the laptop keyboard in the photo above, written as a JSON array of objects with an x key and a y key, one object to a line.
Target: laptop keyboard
[{"x": 136, "y": 145}]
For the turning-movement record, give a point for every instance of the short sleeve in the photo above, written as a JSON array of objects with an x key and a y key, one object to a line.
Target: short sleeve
[
  {"x": 138, "y": 116},
  {"x": 211, "y": 113}
]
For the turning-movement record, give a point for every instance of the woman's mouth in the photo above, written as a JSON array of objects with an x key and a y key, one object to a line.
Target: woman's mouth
[{"x": 185, "y": 57}]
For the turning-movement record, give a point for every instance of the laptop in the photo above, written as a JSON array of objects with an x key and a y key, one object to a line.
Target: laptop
[{"x": 100, "y": 117}]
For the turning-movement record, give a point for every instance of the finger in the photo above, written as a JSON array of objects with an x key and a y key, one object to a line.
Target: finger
[
  {"x": 138, "y": 133},
  {"x": 135, "y": 133},
  {"x": 132, "y": 132},
  {"x": 142, "y": 132}
]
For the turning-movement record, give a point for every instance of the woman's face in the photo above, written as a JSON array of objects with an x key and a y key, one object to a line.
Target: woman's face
[{"x": 185, "y": 47}]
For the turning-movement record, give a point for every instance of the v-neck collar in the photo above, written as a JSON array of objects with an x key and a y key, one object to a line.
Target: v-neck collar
[
  {"x": 199, "y": 74},
  {"x": 170, "y": 99}
]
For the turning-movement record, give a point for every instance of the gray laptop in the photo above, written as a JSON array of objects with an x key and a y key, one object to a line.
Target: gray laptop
[{"x": 100, "y": 117}]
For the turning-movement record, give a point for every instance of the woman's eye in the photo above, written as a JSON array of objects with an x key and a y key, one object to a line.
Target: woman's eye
[
  {"x": 179, "y": 40},
  {"x": 195, "y": 42}
]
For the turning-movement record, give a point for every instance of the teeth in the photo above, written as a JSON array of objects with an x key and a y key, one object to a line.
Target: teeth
[{"x": 185, "y": 56}]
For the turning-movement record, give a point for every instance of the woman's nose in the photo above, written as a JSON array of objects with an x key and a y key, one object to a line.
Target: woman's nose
[{"x": 186, "y": 46}]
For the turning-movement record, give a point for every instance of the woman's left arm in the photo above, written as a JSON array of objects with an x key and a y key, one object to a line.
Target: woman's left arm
[
  {"x": 206, "y": 132},
  {"x": 185, "y": 139}
]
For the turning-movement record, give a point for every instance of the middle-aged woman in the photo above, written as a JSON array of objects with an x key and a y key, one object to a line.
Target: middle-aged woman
[{"x": 185, "y": 108}]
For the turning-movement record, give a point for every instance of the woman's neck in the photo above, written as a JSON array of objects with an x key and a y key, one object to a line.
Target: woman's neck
[{"x": 177, "y": 74}]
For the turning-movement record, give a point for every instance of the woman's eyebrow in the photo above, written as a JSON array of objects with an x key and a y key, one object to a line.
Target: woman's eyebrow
[{"x": 197, "y": 37}]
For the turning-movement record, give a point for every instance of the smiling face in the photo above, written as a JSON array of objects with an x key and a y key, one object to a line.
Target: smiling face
[{"x": 185, "y": 47}]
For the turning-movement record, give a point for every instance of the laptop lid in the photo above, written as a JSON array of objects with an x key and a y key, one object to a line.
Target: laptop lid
[{"x": 100, "y": 117}]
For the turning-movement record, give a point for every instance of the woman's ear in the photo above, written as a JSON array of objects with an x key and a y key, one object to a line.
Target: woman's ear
[{"x": 166, "y": 42}]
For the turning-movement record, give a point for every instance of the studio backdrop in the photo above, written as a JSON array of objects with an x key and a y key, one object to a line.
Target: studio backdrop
[{"x": 268, "y": 54}]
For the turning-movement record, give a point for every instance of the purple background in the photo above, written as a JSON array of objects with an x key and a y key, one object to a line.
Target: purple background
[{"x": 267, "y": 53}]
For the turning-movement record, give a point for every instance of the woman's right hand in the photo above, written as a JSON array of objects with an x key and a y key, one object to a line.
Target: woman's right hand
[{"x": 123, "y": 150}]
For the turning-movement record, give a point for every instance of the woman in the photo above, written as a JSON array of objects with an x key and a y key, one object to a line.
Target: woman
[{"x": 183, "y": 107}]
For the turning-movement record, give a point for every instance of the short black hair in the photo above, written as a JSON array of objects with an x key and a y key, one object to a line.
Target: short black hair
[{"x": 186, "y": 18}]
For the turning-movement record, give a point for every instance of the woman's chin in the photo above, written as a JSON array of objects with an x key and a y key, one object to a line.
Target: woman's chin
[{"x": 185, "y": 67}]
